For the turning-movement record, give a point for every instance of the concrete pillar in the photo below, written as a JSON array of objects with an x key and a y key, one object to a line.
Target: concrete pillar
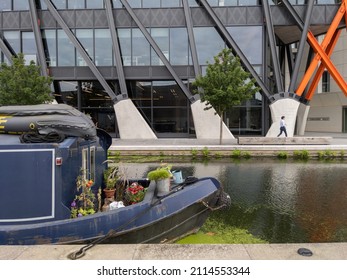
[
  {"x": 302, "y": 118},
  {"x": 283, "y": 107},
  {"x": 131, "y": 124},
  {"x": 207, "y": 123}
]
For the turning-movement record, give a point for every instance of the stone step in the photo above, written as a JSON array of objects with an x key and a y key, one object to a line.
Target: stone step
[{"x": 284, "y": 140}]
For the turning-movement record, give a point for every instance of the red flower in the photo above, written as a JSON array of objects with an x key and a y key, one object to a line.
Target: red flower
[{"x": 135, "y": 193}]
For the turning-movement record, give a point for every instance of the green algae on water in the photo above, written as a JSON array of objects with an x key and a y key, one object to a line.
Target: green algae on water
[{"x": 213, "y": 232}]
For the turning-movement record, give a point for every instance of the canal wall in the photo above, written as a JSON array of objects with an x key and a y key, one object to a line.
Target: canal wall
[{"x": 193, "y": 148}]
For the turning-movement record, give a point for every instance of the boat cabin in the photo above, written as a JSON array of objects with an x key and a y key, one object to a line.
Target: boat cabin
[{"x": 38, "y": 180}]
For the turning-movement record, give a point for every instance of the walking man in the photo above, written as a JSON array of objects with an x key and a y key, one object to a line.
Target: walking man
[{"x": 282, "y": 127}]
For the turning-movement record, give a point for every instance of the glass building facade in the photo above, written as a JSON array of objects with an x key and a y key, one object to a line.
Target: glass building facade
[{"x": 160, "y": 98}]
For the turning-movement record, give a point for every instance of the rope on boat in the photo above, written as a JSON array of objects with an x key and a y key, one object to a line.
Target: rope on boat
[
  {"x": 224, "y": 201},
  {"x": 112, "y": 233},
  {"x": 35, "y": 137},
  {"x": 213, "y": 208},
  {"x": 82, "y": 251}
]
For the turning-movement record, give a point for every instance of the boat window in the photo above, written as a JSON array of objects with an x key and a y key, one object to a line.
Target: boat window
[
  {"x": 92, "y": 164},
  {"x": 85, "y": 163}
]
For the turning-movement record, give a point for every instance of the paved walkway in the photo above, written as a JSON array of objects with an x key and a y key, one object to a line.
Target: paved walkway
[
  {"x": 321, "y": 251},
  {"x": 338, "y": 142}
]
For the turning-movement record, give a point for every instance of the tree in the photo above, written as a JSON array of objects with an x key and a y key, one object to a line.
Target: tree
[
  {"x": 22, "y": 84},
  {"x": 226, "y": 84}
]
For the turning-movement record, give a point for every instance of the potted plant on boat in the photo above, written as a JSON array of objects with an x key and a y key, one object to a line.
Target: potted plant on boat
[
  {"x": 161, "y": 176},
  {"x": 84, "y": 202},
  {"x": 134, "y": 193},
  {"x": 110, "y": 179}
]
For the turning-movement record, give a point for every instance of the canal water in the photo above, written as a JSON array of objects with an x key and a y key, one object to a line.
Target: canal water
[{"x": 277, "y": 201}]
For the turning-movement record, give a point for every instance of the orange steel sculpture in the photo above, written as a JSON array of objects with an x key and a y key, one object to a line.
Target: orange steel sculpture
[{"x": 323, "y": 53}]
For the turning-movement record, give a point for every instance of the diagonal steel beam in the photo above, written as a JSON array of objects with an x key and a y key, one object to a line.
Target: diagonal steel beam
[
  {"x": 290, "y": 58},
  {"x": 320, "y": 71},
  {"x": 273, "y": 49},
  {"x": 235, "y": 48},
  {"x": 116, "y": 49},
  {"x": 80, "y": 49},
  {"x": 158, "y": 51},
  {"x": 7, "y": 52},
  {"x": 191, "y": 39},
  {"x": 38, "y": 38},
  {"x": 301, "y": 49},
  {"x": 330, "y": 66},
  {"x": 320, "y": 50},
  {"x": 294, "y": 14},
  {"x": 328, "y": 37}
]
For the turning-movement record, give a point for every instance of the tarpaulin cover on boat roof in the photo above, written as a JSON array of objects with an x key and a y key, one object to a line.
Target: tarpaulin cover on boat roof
[{"x": 46, "y": 118}]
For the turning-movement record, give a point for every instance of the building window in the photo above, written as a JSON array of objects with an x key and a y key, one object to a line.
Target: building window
[
  {"x": 179, "y": 46},
  {"x": 75, "y": 4},
  {"x": 170, "y": 3},
  {"x": 193, "y": 3},
  {"x": 66, "y": 50},
  {"x": 134, "y": 3},
  {"x": 117, "y": 4},
  {"x": 95, "y": 4},
  {"x": 207, "y": 49},
  {"x": 49, "y": 41},
  {"x": 23, "y": 42},
  {"x": 326, "y": 81},
  {"x": 163, "y": 105},
  {"x": 5, "y": 5},
  {"x": 13, "y": 39},
  {"x": 244, "y": 120},
  {"x": 151, "y": 4},
  {"x": 124, "y": 37},
  {"x": 59, "y": 4},
  {"x": 20, "y": 5},
  {"x": 161, "y": 37},
  {"x": 170, "y": 108},
  {"x": 140, "y": 48},
  {"x": 29, "y": 47},
  {"x": 85, "y": 37},
  {"x": 249, "y": 39},
  {"x": 103, "y": 47},
  {"x": 42, "y": 5}
]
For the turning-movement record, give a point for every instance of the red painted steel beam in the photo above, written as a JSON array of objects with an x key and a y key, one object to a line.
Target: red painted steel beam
[
  {"x": 322, "y": 56},
  {"x": 321, "y": 68}
]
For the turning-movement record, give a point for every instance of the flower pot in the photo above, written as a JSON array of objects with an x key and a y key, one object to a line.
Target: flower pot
[
  {"x": 109, "y": 193},
  {"x": 163, "y": 186}
]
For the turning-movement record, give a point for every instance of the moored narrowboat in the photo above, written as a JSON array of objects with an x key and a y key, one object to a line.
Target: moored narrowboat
[{"x": 38, "y": 171}]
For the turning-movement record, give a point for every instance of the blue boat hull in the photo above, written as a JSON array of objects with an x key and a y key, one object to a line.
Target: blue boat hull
[{"x": 154, "y": 220}]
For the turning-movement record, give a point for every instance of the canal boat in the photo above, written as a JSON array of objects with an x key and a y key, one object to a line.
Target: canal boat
[{"x": 43, "y": 150}]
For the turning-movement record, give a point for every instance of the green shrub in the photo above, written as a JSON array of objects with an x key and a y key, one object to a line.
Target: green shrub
[
  {"x": 282, "y": 155},
  {"x": 329, "y": 154},
  {"x": 194, "y": 153},
  {"x": 205, "y": 152},
  {"x": 321, "y": 155},
  {"x": 342, "y": 154},
  {"x": 246, "y": 154},
  {"x": 218, "y": 155},
  {"x": 236, "y": 154},
  {"x": 303, "y": 155}
]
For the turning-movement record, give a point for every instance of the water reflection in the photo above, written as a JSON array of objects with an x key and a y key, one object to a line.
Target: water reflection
[{"x": 279, "y": 201}]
